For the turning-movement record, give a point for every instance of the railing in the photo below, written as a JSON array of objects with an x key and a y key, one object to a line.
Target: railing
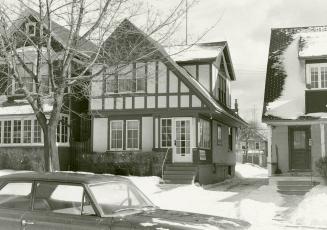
[{"x": 163, "y": 163}]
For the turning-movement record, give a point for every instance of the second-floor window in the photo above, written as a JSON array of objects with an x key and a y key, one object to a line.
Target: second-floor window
[
  {"x": 127, "y": 79},
  {"x": 317, "y": 75}
]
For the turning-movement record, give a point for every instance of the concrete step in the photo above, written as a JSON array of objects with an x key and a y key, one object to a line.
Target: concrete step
[
  {"x": 178, "y": 177},
  {"x": 180, "y": 168},
  {"x": 294, "y": 182},
  {"x": 178, "y": 181},
  {"x": 292, "y": 192},
  {"x": 294, "y": 187},
  {"x": 179, "y": 172}
]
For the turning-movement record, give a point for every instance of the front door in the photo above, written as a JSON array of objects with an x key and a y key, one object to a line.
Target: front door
[
  {"x": 300, "y": 150},
  {"x": 182, "y": 151}
]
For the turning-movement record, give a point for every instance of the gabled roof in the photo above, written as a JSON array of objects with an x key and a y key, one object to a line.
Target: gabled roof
[
  {"x": 208, "y": 52},
  {"x": 59, "y": 33},
  {"x": 158, "y": 51},
  {"x": 285, "y": 83}
]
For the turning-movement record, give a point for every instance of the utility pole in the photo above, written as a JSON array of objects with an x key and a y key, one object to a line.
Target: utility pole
[{"x": 186, "y": 21}]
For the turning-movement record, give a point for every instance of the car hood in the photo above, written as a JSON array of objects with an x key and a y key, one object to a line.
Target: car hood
[{"x": 169, "y": 220}]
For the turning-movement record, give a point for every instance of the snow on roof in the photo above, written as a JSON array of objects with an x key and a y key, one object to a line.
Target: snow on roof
[
  {"x": 291, "y": 103},
  {"x": 195, "y": 51},
  {"x": 21, "y": 109},
  {"x": 313, "y": 44}
]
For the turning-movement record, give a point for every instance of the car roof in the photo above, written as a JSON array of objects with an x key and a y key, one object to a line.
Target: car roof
[{"x": 72, "y": 177}]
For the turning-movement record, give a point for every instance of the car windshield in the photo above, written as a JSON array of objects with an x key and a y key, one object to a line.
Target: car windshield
[{"x": 119, "y": 196}]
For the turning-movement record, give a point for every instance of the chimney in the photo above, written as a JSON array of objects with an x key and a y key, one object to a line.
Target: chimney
[{"x": 236, "y": 106}]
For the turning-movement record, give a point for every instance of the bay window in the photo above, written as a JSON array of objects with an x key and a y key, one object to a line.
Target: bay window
[
  {"x": 28, "y": 131},
  {"x": 204, "y": 134}
]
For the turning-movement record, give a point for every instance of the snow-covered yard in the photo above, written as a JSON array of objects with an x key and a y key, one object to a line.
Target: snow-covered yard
[{"x": 247, "y": 197}]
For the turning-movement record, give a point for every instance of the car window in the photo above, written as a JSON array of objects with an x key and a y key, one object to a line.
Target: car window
[
  {"x": 115, "y": 196},
  {"x": 61, "y": 198},
  {"x": 16, "y": 195}
]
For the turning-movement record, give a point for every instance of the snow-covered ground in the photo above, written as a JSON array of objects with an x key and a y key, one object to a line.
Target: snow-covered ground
[{"x": 248, "y": 196}]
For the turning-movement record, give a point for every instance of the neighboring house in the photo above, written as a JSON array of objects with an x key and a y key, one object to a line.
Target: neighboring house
[
  {"x": 177, "y": 98},
  {"x": 295, "y": 99},
  {"x": 20, "y": 134},
  {"x": 252, "y": 147}
]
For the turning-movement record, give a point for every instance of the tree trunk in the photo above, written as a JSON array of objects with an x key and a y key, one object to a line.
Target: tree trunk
[{"x": 51, "y": 156}]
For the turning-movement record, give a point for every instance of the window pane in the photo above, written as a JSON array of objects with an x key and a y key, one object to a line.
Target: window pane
[
  {"x": 140, "y": 77},
  {"x": 132, "y": 133},
  {"x": 7, "y": 132},
  {"x": 166, "y": 132},
  {"x": 16, "y": 196},
  {"x": 58, "y": 198},
  {"x": 116, "y": 134},
  {"x": 314, "y": 77},
  {"x": 323, "y": 72},
  {"x": 37, "y": 132},
  {"x": 299, "y": 139},
  {"x": 111, "y": 84},
  {"x": 204, "y": 134},
  {"x": 17, "y": 131},
  {"x": 27, "y": 131}
]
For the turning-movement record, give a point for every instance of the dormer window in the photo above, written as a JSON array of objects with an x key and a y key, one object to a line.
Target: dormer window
[
  {"x": 30, "y": 28},
  {"x": 316, "y": 75}
]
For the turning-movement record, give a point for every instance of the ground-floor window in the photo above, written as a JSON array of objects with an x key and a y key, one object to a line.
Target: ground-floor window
[
  {"x": 116, "y": 135},
  {"x": 230, "y": 138},
  {"x": 204, "y": 134},
  {"x": 28, "y": 131},
  {"x": 166, "y": 132},
  {"x": 132, "y": 134}
]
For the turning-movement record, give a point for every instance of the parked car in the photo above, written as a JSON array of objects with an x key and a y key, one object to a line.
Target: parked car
[{"x": 64, "y": 200}]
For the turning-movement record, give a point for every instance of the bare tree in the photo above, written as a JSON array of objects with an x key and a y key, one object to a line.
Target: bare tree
[{"x": 65, "y": 39}]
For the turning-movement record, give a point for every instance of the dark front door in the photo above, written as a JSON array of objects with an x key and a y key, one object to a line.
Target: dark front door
[{"x": 300, "y": 150}]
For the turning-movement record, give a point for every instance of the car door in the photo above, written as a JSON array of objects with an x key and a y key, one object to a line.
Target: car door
[
  {"x": 62, "y": 206},
  {"x": 15, "y": 200}
]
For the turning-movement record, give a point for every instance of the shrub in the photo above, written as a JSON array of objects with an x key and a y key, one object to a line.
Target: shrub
[
  {"x": 4, "y": 161},
  {"x": 321, "y": 166}
]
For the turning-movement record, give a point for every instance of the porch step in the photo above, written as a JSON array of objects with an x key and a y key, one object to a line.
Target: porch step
[
  {"x": 179, "y": 173},
  {"x": 294, "y": 187}
]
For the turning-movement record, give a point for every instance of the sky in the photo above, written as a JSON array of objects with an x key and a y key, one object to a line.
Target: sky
[{"x": 246, "y": 26}]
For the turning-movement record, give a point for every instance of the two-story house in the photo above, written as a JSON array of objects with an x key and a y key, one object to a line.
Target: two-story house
[
  {"x": 175, "y": 98},
  {"x": 21, "y": 137},
  {"x": 295, "y": 99}
]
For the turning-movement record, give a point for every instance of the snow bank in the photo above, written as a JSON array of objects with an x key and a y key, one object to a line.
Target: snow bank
[
  {"x": 148, "y": 185},
  {"x": 250, "y": 171},
  {"x": 312, "y": 210},
  {"x": 290, "y": 105},
  {"x": 4, "y": 172}
]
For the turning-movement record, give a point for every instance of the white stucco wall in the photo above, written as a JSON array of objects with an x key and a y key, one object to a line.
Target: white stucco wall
[
  {"x": 147, "y": 133},
  {"x": 100, "y": 134}
]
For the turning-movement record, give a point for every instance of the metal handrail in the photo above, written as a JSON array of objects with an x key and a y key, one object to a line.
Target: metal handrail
[{"x": 163, "y": 163}]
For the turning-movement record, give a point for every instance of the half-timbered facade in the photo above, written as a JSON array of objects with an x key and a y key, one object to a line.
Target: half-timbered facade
[{"x": 176, "y": 99}]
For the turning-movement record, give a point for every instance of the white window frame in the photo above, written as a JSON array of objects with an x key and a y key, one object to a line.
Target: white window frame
[
  {"x": 170, "y": 134},
  {"x": 142, "y": 66},
  {"x": 27, "y": 25},
  {"x": 32, "y": 143},
  {"x": 138, "y": 134},
  {"x": 122, "y": 135},
  {"x": 219, "y": 135},
  {"x": 60, "y": 142},
  {"x": 201, "y": 132},
  {"x": 255, "y": 145},
  {"x": 308, "y": 74},
  {"x": 13, "y": 81}
]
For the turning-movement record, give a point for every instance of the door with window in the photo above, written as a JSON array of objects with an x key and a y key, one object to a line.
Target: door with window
[
  {"x": 61, "y": 206},
  {"x": 182, "y": 146},
  {"x": 15, "y": 200},
  {"x": 300, "y": 150}
]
